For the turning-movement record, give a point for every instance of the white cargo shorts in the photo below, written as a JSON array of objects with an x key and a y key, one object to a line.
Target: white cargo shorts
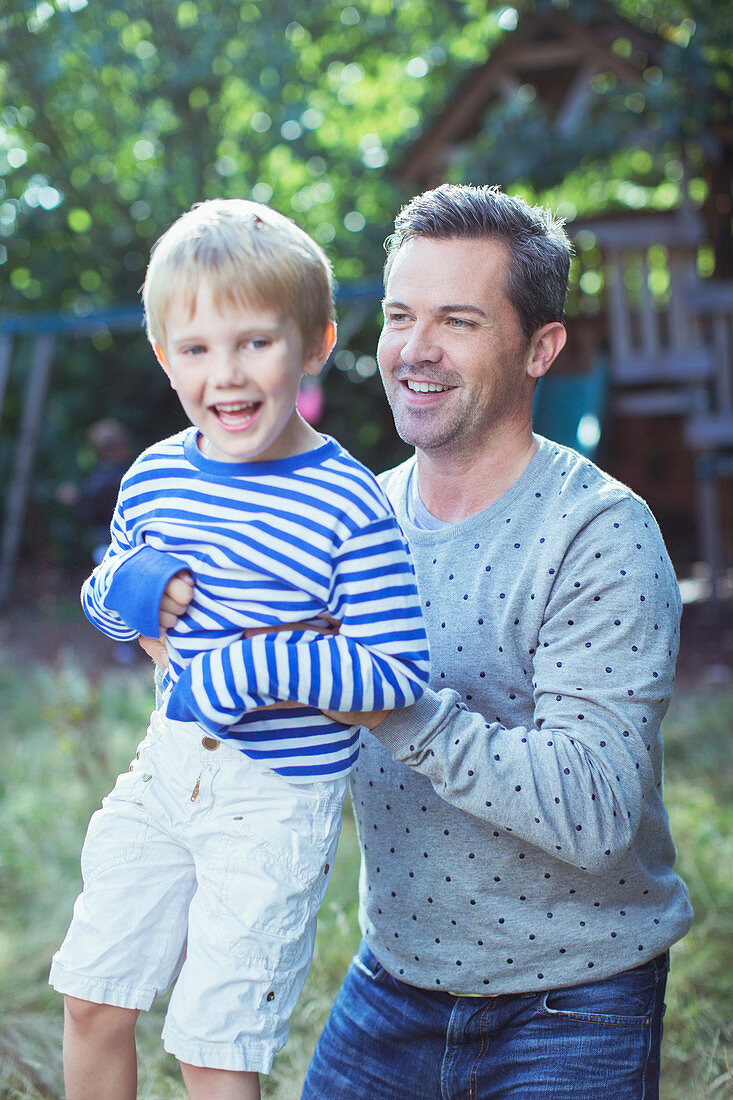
[{"x": 205, "y": 867}]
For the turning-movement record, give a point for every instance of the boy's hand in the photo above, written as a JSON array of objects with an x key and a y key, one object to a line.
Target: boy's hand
[{"x": 176, "y": 597}]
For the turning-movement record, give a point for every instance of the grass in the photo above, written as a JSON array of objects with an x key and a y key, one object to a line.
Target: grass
[
  {"x": 65, "y": 738},
  {"x": 698, "y": 1044}
]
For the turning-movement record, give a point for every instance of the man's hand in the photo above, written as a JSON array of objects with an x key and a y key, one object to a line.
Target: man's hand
[
  {"x": 324, "y": 624},
  {"x": 176, "y": 597},
  {"x": 369, "y": 718},
  {"x": 155, "y": 648}
]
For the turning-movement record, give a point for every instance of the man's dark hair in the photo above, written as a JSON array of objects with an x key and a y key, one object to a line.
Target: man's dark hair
[{"x": 538, "y": 246}]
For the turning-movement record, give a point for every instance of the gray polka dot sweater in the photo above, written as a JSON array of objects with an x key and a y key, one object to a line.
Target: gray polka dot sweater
[{"x": 512, "y": 826}]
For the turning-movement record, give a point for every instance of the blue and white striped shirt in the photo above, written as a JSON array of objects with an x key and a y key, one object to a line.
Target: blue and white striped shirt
[{"x": 267, "y": 543}]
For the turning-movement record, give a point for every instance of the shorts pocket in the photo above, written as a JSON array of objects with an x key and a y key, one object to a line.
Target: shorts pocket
[
  {"x": 116, "y": 833},
  {"x": 270, "y": 886},
  {"x": 130, "y": 786}
]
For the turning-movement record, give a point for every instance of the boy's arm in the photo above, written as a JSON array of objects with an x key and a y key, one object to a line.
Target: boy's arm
[
  {"x": 378, "y": 661},
  {"x": 125, "y": 595}
]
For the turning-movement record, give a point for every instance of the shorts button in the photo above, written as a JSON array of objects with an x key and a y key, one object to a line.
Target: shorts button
[
  {"x": 327, "y": 868},
  {"x": 210, "y": 743},
  {"x": 270, "y": 996}
]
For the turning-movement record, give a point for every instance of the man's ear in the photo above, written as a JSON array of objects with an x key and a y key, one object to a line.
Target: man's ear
[
  {"x": 545, "y": 346},
  {"x": 160, "y": 356},
  {"x": 320, "y": 351}
]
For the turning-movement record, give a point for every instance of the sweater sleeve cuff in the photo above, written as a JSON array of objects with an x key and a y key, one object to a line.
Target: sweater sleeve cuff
[
  {"x": 403, "y": 729},
  {"x": 137, "y": 588},
  {"x": 183, "y": 705}
]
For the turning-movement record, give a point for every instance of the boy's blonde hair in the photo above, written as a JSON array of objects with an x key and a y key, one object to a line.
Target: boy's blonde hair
[{"x": 249, "y": 255}]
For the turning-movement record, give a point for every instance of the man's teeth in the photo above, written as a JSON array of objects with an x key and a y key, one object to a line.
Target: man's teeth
[{"x": 425, "y": 387}]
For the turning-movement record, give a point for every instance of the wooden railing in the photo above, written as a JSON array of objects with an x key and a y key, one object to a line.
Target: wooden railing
[{"x": 670, "y": 347}]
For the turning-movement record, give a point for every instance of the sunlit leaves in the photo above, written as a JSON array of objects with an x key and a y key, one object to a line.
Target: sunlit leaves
[{"x": 162, "y": 104}]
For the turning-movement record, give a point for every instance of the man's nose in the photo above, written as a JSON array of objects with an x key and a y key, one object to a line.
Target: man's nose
[{"x": 421, "y": 346}]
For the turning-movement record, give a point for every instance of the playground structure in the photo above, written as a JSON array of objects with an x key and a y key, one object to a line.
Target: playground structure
[
  {"x": 664, "y": 329},
  {"x": 45, "y": 333}
]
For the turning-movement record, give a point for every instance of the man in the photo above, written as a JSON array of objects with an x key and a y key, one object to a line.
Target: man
[{"x": 517, "y": 894}]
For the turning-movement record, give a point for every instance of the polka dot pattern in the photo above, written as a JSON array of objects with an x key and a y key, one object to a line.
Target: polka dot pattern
[{"x": 521, "y": 841}]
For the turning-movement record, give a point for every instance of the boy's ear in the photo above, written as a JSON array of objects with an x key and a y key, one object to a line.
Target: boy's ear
[
  {"x": 321, "y": 350},
  {"x": 160, "y": 356}
]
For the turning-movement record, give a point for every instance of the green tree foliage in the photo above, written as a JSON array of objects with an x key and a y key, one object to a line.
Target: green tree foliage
[
  {"x": 117, "y": 116},
  {"x": 624, "y": 151}
]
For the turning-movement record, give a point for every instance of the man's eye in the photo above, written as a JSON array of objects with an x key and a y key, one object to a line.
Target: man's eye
[
  {"x": 459, "y": 322},
  {"x": 396, "y": 318}
]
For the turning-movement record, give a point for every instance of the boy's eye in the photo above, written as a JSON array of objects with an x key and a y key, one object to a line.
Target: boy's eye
[
  {"x": 194, "y": 349},
  {"x": 260, "y": 342}
]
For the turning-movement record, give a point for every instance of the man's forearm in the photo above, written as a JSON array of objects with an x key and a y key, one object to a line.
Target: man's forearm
[{"x": 513, "y": 779}]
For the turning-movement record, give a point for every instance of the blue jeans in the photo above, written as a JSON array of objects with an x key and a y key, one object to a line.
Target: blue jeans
[{"x": 385, "y": 1040}]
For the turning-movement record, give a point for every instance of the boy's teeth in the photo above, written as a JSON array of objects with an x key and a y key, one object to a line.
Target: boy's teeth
[
  {"x": 241, "y": 407},
  {"x": 426, "y": 387}
]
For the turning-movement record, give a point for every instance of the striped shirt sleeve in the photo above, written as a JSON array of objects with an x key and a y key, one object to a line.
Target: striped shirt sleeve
[
  {"x": 378, "y": 661},
  {"x": 122, "y": 596}
]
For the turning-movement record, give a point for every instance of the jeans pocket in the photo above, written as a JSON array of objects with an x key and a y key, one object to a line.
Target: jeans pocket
[
  {"x": 626, "y": 999},
  {"x": 368, "y": 965}
]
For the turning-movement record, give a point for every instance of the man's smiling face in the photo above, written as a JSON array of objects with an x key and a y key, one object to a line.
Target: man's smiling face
[{"x": 451, "y": 354}]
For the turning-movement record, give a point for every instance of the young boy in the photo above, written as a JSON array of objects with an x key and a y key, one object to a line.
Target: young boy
[{"x": 209, "y": 859}]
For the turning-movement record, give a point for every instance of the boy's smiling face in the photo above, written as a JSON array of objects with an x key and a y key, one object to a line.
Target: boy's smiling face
[{"x": 237, "y": 370}]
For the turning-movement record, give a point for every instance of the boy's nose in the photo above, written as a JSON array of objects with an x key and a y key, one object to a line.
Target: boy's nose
[{"x": 226, "y": 370}]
